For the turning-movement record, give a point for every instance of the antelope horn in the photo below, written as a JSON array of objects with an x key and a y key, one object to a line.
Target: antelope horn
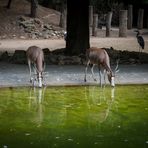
[
  {"x": 44, "y": 65},
  {"x": 117, "y": 69}
]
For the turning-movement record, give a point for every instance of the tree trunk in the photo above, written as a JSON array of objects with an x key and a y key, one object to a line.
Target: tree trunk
[
  {"x": 130, "y": 17},
  {"x": 46, "y": 3},
  {"x": 108, "y": 23},
  {"x": 95, "y": 25},
  {"x": 90, "y": 16},
  {"x": 140, "y": 19},
  {"x": 34, "y": 5},
  {"x": 63, "y": 17},
  {"x": 123, "y": 23},
  {"x": 77, "y": 27},
  {"x": 9, "y": 4},
  {"x": 147, "y": 22}
]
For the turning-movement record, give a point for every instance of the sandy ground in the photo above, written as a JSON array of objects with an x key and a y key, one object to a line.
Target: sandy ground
[
  {"x": 123, "y": 43},
  {"x": 129, "y": 44}
]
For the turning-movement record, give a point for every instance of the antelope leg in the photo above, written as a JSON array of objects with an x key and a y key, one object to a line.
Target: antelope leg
[
  {"x": 86, "y": 70},
  {"x": 92, "y": 72},
  {"x": 35, "y": 72},
  {"x": 100, "y": 75},
  {"x": 104, "y": 73},
  {"x": 29, "y": 65}
]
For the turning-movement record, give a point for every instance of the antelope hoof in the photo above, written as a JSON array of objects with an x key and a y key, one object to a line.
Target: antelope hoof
[
  {"x": 95, "y": 79},
  {"x": 31, "y": 80},
  {"x": 44, "y": 84},
  {"x": 113, "y": 86},
  {"x": 40, "y": 85}
]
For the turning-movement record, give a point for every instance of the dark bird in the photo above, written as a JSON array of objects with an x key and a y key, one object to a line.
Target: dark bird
[{"x": 140, "y": 41}]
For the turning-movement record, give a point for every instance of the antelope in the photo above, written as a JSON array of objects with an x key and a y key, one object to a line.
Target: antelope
[
  {"x": 99, "y": 57},
  {"x": 35, "y": 56}
]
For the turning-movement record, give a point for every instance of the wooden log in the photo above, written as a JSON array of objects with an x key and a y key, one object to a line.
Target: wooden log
[
  {"x": 130, "y": 17},
  {"x": 123, "y": 23},
  {"x": 95, "y": 25},
  {"x": 140, "y": 19},
  {"x": 108, "y": 24}
]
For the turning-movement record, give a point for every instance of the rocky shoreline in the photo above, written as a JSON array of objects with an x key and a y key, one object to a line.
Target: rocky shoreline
[{"x": 57, "y": 57}]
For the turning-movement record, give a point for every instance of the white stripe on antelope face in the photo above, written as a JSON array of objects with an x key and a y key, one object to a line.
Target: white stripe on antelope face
[{"x": 40, "y": 80}]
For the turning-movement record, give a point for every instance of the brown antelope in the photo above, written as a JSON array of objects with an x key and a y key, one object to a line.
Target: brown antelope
[
  {"x": 99, "y": 57},
  {"x": 35, "y": 56}
]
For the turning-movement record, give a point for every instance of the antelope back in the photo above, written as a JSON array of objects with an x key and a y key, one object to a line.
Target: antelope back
[
  {"x": 98, "y": 56},
  {"x": 35, "y": 55}
]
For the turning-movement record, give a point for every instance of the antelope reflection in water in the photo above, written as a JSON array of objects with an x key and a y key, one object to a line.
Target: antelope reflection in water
[
  {"x": 101, "y": 100},
  {"x": 36, "y": 97}
]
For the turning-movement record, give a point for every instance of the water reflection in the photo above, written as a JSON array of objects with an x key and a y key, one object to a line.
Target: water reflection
[
  {"x": 36, "y": 97},
  {"x": 74, "y": 117},
  {"x": 110, "y": 102},
  {"x": 100, "y": 100}
]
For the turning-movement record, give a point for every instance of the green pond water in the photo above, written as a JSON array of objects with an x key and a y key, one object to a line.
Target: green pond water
[{"x": 74, "y": 117}]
